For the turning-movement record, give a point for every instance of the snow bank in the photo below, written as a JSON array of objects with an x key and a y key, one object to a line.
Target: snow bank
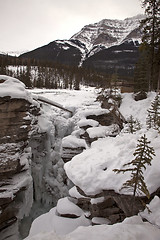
[
  {"x": 92, "y": 170},
  {"x": 93, "y": 110},
  {"x": 153, "y": 216},
  {"x": 87, "y": 122},
  {"x": 49, "y": 222},
  {"x": 72, "y": 141},
  {"x": 103, "y": 131},
  {"x": 132, "y": 228},
  {"x": 138, "y": 109}
]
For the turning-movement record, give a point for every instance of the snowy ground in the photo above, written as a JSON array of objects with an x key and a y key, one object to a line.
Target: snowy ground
[
  {"x": 70, "y": 98},
  {"x": 92, "y": 171},
  {"x": 131, "y": 229},
  {"x": 138, "y": 109}
]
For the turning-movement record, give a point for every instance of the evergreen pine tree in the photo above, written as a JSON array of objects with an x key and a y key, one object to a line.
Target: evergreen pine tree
[
  {"x": 132, "y": 125},
  {"x": 3, "y": 65},
  {"x": 39, "y": 78},
  {"x": 143, "y": 156},
  {"x": 114, "y": 79},
  {"x": 28, "y": 81},
  {"x": 153, "y": 117},
  {"x": 151, "y": 34},
  {"x": 77, "y": 80},
  {"x": 142, "y": 71}
]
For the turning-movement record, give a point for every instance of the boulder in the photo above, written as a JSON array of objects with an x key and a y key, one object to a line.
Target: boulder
[
  {"x": 112, "y": 117},
  {"x": 140, "y": 96}
]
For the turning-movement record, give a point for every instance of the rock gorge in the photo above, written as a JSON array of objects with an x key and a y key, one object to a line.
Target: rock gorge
[
  {"x": 32, "y": 178},
  {"x": 16, "y": 193},
  {"x": 35, "y": 142}
]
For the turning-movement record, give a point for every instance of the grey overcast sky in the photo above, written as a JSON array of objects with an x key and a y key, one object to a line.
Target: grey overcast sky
[{"x": 28, "y": 24}]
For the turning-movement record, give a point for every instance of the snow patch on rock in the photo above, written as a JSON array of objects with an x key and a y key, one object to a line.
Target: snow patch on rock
[{"x": 14, "y": 88}]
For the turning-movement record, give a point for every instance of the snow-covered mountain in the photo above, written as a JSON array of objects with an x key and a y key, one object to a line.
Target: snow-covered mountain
[
  {"x": 90, "y": 40},
  {"x": 109, "y": 32},
  {"x": 13, "y": 53}
]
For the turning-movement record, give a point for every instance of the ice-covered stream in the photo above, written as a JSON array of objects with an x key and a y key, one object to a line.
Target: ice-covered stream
[{"x": 49, "y": 179}]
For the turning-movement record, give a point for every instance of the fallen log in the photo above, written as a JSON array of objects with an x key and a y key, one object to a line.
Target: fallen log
[{"x": 51, "y": 102}]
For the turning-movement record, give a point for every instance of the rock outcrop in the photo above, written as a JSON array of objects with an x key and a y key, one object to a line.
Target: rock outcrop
[
  {"x": 16, "y": 181},
  {"x": 99, "y": 124},
  {"x": 111, "y": 205},
  {"x": 71, "y": 146},
  {"x": 140, "y": 96},
  {"x": 107, "y": 205},
  {"x": 18, "y": 116}
]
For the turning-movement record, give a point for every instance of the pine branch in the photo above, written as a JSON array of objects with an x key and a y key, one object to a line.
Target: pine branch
[{"x": 143, "y": 156}]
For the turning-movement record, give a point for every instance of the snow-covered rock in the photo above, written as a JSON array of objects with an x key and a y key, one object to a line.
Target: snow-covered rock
[
  {"x": 66, "y": 208},
  {"x": 73, "y": 142},
  {"x": 103, "y": 131},
  {"x": 16, "y": 186},
  {"x": 13, "y": 88},
  {"x": 95, "y": 165},
  {"x": 71, "y": 146},
  {"x": 84, "y": 123}
]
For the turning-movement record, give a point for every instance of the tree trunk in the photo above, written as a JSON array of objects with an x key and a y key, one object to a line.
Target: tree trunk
[{"x": 158, "y": 82}]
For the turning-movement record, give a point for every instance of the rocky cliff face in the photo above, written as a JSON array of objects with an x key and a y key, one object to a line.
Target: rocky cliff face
[
  {"x": 109, "y": 32},
  {"x": 32, "y": 177},
  {"x": 107, "y": 205},
  {"x": 15, "y": 156}
]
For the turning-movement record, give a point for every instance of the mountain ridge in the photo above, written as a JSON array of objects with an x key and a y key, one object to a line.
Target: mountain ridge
[
  {"x": 90, "y": 40},
  {"x": 109, "y": 27}
]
